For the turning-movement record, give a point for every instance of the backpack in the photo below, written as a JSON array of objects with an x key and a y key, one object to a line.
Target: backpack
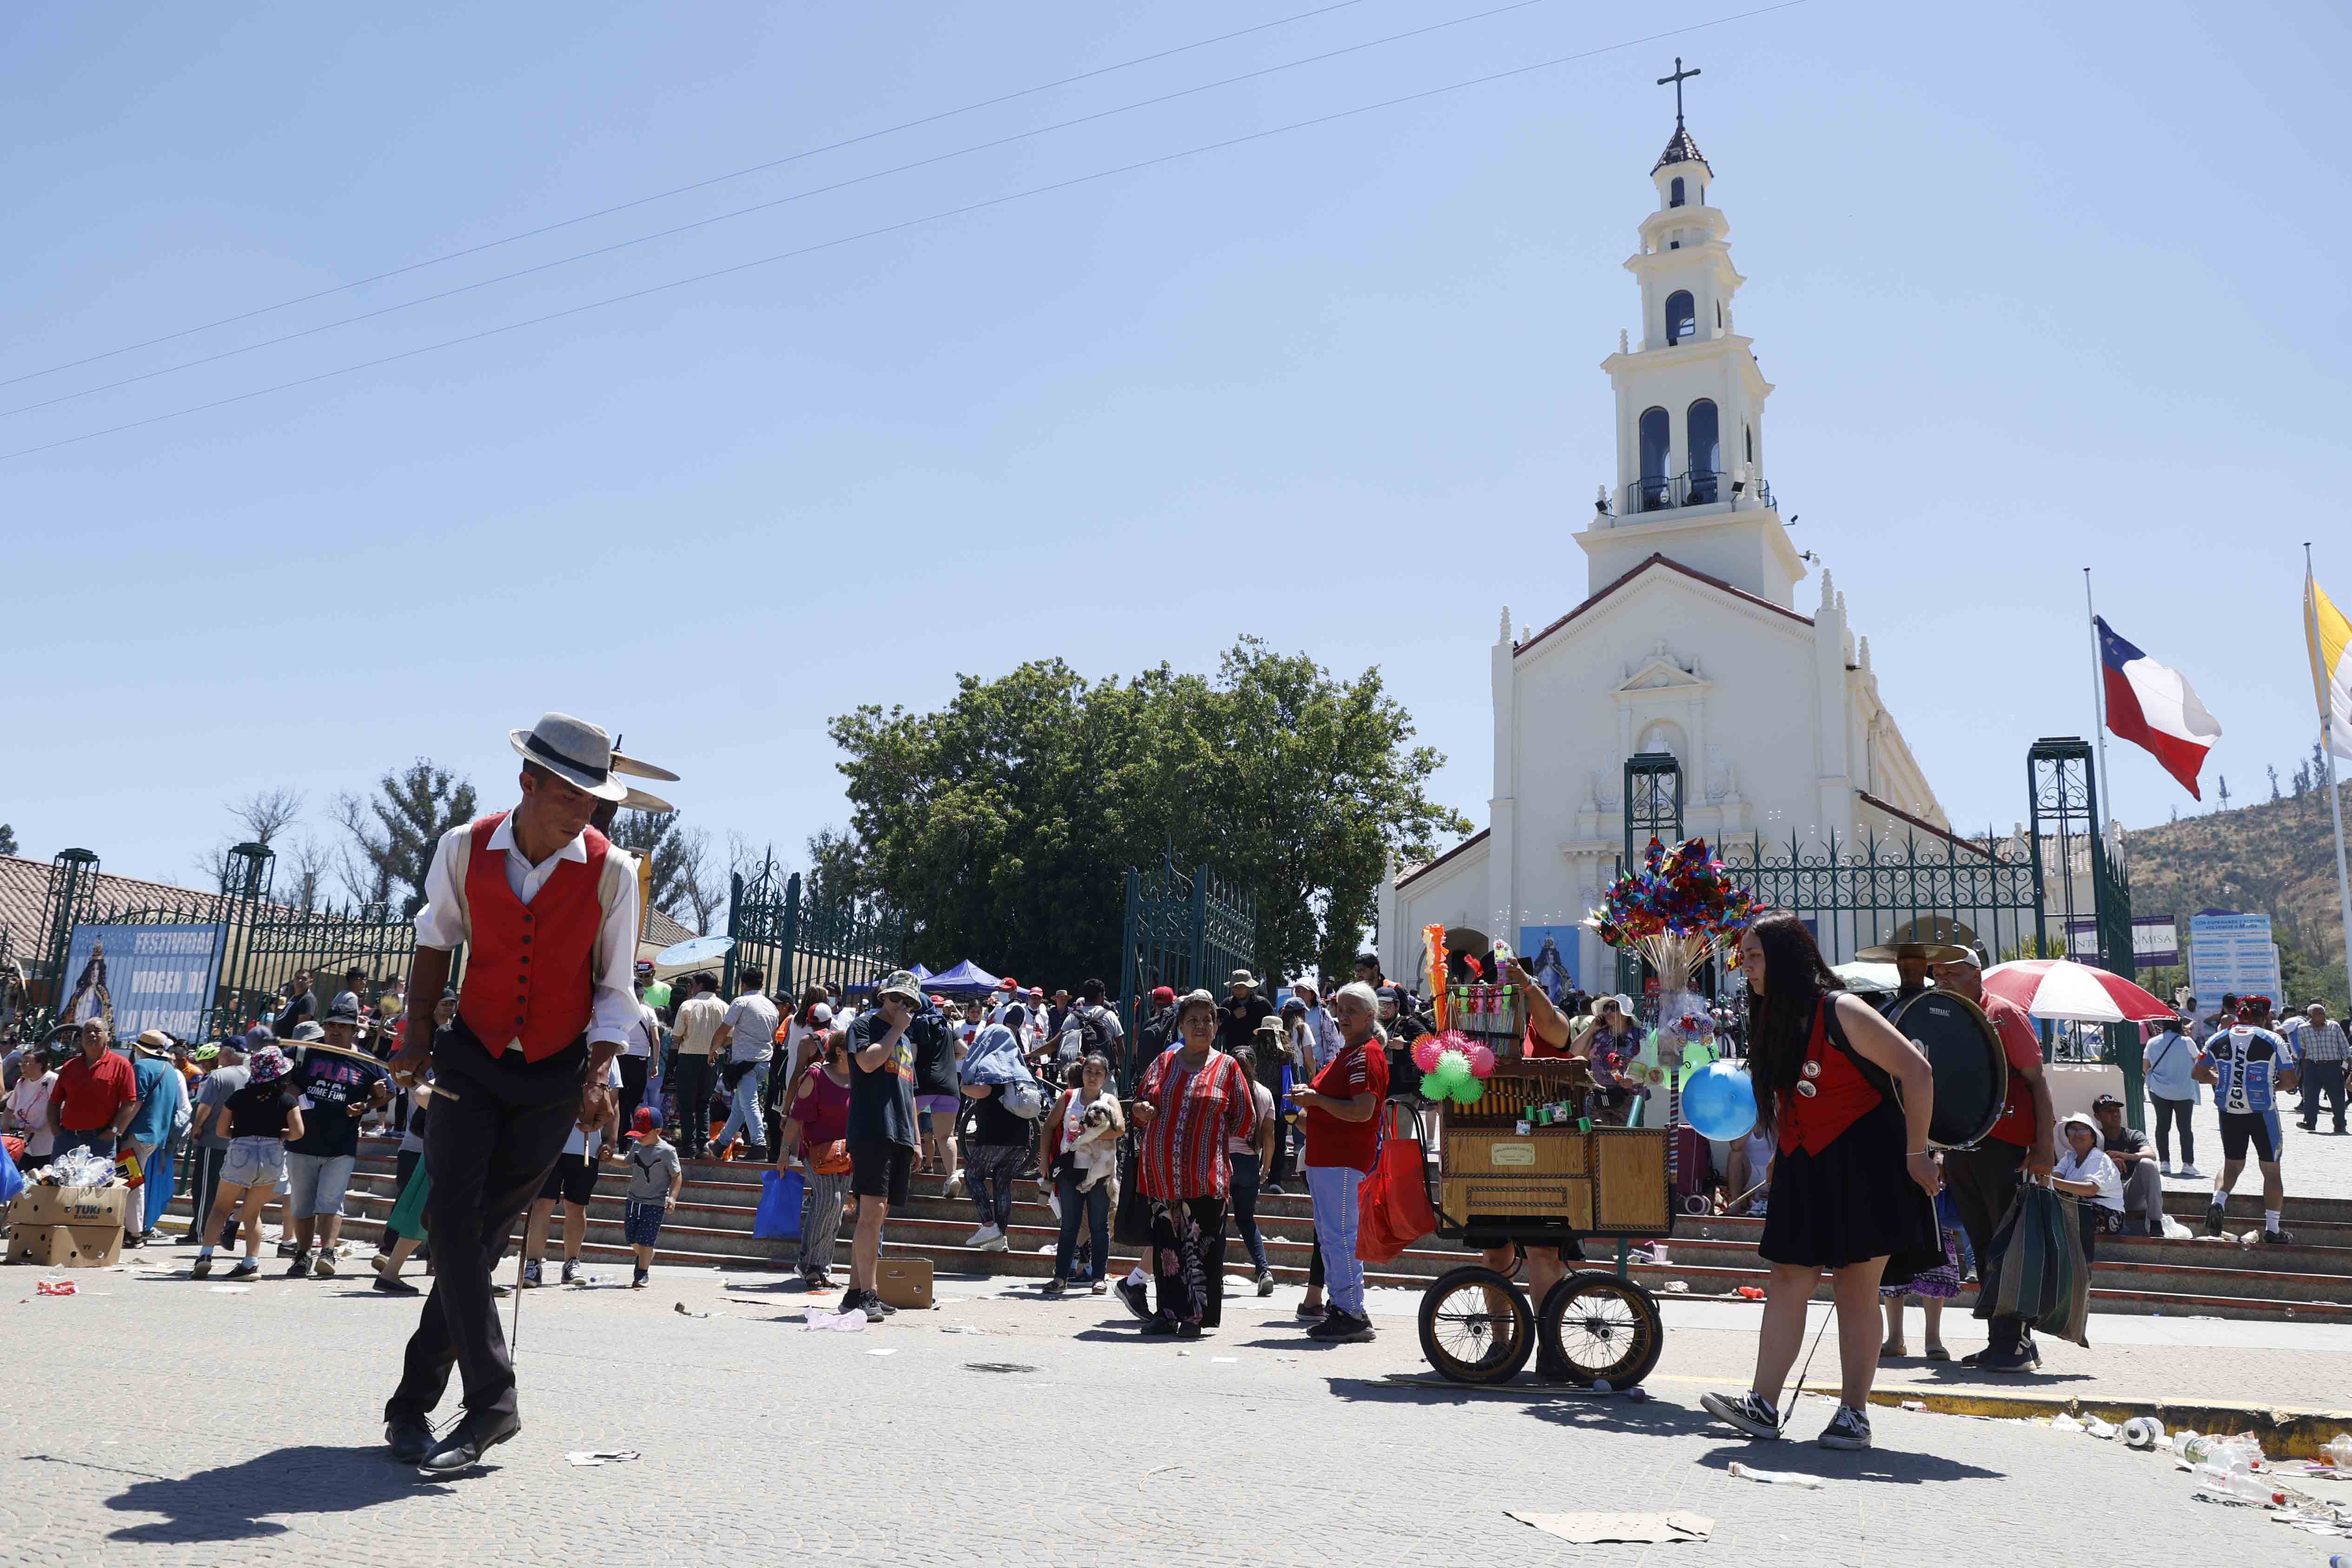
[
  {"x": 1094, "y": 1036},
  {"x": 1025, "y": 1097}
]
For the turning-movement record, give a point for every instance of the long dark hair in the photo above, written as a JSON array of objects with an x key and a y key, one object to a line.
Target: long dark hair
[{"x": 1781, "y": 1024}]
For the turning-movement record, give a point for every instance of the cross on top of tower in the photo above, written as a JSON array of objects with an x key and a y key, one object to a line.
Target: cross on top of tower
[
  {"x": 1680, "y": 147},
  {"x": 1680, "y": 77}
]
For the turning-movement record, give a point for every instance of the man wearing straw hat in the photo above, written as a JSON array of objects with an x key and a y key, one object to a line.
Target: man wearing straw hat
[{"x": 547, "y": 909}]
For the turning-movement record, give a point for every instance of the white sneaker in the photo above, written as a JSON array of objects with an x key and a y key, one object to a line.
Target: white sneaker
[
  {"x": 2164, "y": 1170},
  {"x": 1002, "y": 1243},
  {"x": 2189, "y": 1173},
  {"x": 986, "y": 1236}
]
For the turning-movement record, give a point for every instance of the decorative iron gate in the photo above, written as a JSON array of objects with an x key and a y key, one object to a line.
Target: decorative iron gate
[
  {"x": 2070, "y": 841},
  {"x": 1184, "y": 931},
  {"x": 1653, "y": 808},
  {"x": 800, "y": 937}
]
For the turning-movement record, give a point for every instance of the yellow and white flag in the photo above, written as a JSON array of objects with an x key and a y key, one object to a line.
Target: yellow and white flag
[{"x": 2330, "y": 636}]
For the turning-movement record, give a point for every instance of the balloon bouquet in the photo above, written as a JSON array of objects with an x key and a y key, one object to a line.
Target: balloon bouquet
[{"x": 1678, "y": 909}]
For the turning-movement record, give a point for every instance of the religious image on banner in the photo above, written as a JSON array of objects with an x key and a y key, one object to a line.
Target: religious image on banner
[
  {"x": 1544, "y": 947},
  {"x": 90, "y": 998}
]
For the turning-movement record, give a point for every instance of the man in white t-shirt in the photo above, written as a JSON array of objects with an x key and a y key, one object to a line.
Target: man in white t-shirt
[
  {"x": 746, "y": 1036},
  {"x": 698, "y": 1018},
  {"x": 639, "y": 1054}
]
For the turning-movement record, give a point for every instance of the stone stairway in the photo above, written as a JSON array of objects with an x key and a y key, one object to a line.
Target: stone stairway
[{"x": 1707, "y": 1257}]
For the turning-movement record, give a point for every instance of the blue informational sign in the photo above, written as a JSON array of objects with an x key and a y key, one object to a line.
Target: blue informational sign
[
  {"x": 2231, "y": 953},
  {"x": 1550, "y": 953},
  {"x": 138, "y": 978}
]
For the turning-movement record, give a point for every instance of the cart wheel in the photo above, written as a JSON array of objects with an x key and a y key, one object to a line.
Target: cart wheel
[
  {"x": 1598, "y": 1326},
  {"x": 1476, "y": 1326}
]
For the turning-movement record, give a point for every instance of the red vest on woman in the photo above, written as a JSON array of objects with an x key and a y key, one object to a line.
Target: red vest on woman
[
  {"x": 530, "y": 968},
  {"x": 1841, "y": 1097}
]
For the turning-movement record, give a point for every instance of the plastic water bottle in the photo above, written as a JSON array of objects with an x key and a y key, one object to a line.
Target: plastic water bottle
[{"x": 2238, "y": 1484}]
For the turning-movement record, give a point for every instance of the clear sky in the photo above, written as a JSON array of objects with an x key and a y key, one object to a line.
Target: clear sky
[{"x": 2040, "y": 287}]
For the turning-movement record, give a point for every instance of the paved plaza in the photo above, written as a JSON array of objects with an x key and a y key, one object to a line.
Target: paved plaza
[{"x": 174, "y": 1422}]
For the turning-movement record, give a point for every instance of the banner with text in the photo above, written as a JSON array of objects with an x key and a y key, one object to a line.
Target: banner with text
[
  {"x": 139, "y": 977},
  {"x": 2156, "y": 940}
]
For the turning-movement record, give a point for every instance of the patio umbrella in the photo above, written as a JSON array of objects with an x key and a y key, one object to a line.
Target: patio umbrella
[{"x": 2059, "y": 989}]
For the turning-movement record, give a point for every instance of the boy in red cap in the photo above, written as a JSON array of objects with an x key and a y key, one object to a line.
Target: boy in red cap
[{"x": 654, "y": 1177}]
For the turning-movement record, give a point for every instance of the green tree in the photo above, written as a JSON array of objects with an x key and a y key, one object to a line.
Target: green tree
[
  {"x": 684, "y": 887},
  {"x": 392, "y": 832},
  {"x": 8, "y": 840},
  {"x": 1002, "y": 822}
]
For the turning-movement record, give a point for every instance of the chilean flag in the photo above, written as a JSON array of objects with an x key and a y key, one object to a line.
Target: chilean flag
[{"x": 2155, "y": 706}]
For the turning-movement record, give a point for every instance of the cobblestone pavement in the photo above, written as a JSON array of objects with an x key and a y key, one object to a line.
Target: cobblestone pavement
[{"x": 157, "y": 1420}]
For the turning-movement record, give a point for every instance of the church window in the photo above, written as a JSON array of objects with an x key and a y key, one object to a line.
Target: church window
[
  {"x": 1749, "y": 432},
  {"x": 1706, "y": 451},
  {"x": 1675, "y": 192},
  {"x": 1718, "y": 315},
  {"x": 1656, "y": 433},
  {"x": 1682, "y": 317}
]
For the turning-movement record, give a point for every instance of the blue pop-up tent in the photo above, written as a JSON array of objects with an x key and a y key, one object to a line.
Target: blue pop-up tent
[
  {"x": 966, "y": 979},
  {"x": 919, "y": 972}
]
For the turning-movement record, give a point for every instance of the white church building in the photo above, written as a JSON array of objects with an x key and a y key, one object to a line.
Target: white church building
[{"x": 1690, "y": 642}]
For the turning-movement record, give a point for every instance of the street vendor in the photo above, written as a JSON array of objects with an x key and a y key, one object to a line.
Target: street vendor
[
  {"x": 1546, "y": 1036},
  {"x": 1612, "y": 1040}
]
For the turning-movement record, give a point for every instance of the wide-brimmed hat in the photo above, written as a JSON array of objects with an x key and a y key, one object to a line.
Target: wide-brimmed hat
[
  {"x": 1242, "y": 977},
  {"x": 2098, "y": 1139},
  {"x": 572, "y": 749},
  {"x": 1931, "y": 952},
  {"x": 308, "y": 1031},
  {"x": 1270, "y": 1024},
  {"x": 269, "y": 1065},
  {"x": 154, "y": 1042},
  {"x": 901, "y": 983}
]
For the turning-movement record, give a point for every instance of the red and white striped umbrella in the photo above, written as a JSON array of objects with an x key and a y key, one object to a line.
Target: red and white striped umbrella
[{"x": 2062, "y": 989}]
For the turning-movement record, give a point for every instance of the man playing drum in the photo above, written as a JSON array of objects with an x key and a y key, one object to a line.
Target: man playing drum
[{"x": 1984, "y": 1178}]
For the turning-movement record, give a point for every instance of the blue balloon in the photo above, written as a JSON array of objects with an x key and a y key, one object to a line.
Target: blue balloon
[{"x": 1719, "y": 1101}]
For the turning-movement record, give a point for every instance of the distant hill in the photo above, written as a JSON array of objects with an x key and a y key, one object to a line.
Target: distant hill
[{"x": 2272, "y": 857}]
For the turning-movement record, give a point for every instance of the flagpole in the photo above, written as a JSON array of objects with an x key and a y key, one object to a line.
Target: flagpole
[
  {"x": 2098, "y": 704},
  {"x": 2327, "y": 749}
]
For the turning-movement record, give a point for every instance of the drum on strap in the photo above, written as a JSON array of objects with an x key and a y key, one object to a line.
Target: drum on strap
[{"x": 1971, "y": 1067}]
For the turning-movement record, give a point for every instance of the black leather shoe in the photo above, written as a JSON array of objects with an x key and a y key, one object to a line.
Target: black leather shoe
[
  {"x": 411, "y": 1438},
  {"x": 467, "y": 1441}
]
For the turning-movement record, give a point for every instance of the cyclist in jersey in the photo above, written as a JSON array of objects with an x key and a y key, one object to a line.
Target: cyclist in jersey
[{"x": 2249, "y": 1067}]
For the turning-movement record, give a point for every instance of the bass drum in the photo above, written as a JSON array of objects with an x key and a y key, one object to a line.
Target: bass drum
[{"x": 1972, "y": 1070}]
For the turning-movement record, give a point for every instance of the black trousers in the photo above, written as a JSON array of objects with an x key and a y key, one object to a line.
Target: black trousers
[
  {"x": 490, "y": 1142},
  {"x": 632, "y": 1090},
  {"x": 1984, "y": 1183},
  {"x": 691, "y": 1074}
]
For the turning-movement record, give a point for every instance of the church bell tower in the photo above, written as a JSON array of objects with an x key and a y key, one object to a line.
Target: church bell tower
[{"x": 1690, "y": 402}]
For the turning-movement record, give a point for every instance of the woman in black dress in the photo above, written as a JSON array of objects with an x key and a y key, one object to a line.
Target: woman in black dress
[{"x": 1849, "y": 1101}]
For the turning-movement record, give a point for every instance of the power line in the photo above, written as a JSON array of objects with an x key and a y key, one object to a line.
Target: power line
[
  {"x": 695, "y": 185},
  {"x": 939, "y": 216},
  {"x": 765, "y": 206}
]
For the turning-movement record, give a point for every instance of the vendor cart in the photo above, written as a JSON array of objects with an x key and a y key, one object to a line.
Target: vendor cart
[{"x": 1522, "y": 1166}]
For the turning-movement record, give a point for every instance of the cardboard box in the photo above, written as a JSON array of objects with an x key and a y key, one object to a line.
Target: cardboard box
[
  {"x": 904, "y": 1282},
  {"x": 65, "y": 1246},
  {"x": 70, "y": 1206}
]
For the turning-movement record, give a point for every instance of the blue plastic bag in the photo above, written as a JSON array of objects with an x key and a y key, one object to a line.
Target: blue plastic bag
[
  {"x": 12, "y": 1180},
  {"x": 779, "y": 1218}
]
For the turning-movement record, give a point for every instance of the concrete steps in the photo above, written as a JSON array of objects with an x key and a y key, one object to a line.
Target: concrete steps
[{"x": 1709, "y": 1256}]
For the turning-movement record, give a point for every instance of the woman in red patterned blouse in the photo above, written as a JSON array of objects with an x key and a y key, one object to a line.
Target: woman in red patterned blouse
[{"x": 1192, "y": 1099}]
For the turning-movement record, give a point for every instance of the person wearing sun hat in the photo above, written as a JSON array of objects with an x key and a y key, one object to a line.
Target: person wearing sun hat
[
  {"x": 261, "y": 1116},
  {"x": 163, "y": 1115},
  {"x": 547, "y": 912}
]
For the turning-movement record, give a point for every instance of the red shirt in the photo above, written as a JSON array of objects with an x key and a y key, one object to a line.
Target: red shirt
[
  {"x": 1184, "y": 1147},
  {"x": 88, "y": 1097},
  {"x": 2023, "y": 1048},
  {"x": 1841, "y": 1097},
  {"x": 1330, "y": 1142}
]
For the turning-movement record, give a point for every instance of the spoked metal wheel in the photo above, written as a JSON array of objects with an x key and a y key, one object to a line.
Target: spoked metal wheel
[
  {"x": 1476, "y": 1326},
  {"x": 1599, "y": 1327}
]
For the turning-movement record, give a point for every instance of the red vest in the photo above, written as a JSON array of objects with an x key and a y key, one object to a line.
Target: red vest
[
  {"x": 1841, "y": 1097},
  {"x": 530, "y": 968}
]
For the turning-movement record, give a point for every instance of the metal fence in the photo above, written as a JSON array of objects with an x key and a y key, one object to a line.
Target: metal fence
[
  {"x": 800, "y": 937},
  {"x": 1856, "y": 896},
  {"x": 1182, "y": 931},
  {"x": 259, "y": 946}
]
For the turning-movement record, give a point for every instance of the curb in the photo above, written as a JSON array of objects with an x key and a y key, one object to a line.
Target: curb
[{"x": 2284, "y": 1434}]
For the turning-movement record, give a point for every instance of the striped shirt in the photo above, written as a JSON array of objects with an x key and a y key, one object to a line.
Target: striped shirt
[
  {"x": 2322, "y": 1042},
  {"x": 1198, "y": 1111}
]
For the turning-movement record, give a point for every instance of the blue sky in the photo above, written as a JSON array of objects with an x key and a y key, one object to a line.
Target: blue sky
[{"x": 2039, "y": 287}]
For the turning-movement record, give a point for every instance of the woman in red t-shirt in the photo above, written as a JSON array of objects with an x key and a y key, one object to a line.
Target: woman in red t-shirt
[
  {"x": 1192, "y": 1100},
  {"x": 1823, "y": 1066}
]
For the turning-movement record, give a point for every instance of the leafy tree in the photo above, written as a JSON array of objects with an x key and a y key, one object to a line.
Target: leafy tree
[
  {"x": 8, "y": 840},
  {"x": 837, "y": 866},
  {"x": 1002, "y": 822},
  {"x": 684, "y": 887},
  {"x": 392, "y": 833},
  {"x": 2274, "y": 773}
]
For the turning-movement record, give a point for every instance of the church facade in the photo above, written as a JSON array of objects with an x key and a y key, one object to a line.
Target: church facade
[{"x": 1689, "y": 652}]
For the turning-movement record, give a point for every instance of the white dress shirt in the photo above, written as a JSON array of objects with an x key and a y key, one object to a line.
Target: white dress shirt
[
  {"x": 445, "y": 924},
  {"x": 645, "y": 1034}
]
